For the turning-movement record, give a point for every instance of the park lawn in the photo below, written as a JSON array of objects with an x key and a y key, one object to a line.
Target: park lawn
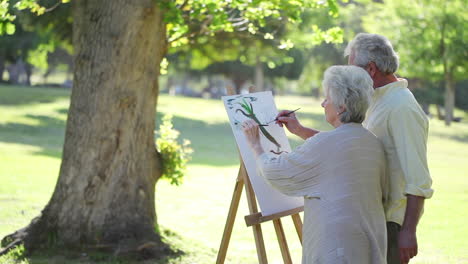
[{"x": 32, "y": 122}]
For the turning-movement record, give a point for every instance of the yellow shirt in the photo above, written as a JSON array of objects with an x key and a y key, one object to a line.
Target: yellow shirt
[{"x": 396, "y": 118}]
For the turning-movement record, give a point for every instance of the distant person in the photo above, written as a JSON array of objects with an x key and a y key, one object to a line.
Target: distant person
[{"x": 340, "y": 174}]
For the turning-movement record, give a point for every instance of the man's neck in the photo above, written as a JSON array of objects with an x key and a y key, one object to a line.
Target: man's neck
[{"x": 383, "y": 80}]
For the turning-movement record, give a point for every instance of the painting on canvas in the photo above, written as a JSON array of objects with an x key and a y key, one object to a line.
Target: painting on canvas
[{"x": 261, "y": 108}]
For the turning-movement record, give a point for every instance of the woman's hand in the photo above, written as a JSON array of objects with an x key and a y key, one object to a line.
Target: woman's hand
[
  {"x": 290, "y": 121},
  {"x": 293, "y": 125},
  {"x": 250, "y": 129}
]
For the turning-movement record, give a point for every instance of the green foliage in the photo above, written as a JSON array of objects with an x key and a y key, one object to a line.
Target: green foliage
[
  {"x": 6, "y": 25},
  {"x": 429, "y": 35},
  {"x": 211, "y": 31},
  {"x": 14, "y": 256},
  {"x": 187, "y": 19},
  {"x": 34, "y": 36},
  {"x": 38, "y": 56},
  {"x": 6, "y": 16},
  {"x": 33, "y": 5},
  {"x": 174, "y": 155}
]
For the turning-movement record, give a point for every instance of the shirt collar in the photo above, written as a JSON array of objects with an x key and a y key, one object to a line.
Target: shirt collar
[{"x": 382, "y": 90}]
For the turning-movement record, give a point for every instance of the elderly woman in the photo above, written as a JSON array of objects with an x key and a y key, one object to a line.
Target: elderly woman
[{"x": 340, "y": 174}]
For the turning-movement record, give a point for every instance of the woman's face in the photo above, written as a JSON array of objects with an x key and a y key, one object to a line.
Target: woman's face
[{"x": 331, "y": 113}]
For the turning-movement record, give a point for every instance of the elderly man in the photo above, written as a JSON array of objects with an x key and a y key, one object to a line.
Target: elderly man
[{"x": 396, "y": 118}]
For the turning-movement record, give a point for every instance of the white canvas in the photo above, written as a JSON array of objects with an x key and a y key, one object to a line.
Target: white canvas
[{"x": 270, "y": 200}]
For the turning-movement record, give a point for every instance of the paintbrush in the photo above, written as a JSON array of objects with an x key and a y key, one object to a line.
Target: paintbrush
[{"x": 276, "y": 119}]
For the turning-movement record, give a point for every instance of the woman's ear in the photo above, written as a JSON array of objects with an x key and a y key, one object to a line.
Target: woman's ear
[{"x": 341, "y": 110}]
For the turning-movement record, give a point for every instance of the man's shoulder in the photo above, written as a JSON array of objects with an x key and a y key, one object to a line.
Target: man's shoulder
[
  {"x": 400, "y": 98},
  {"x": 402, "y": 101}
]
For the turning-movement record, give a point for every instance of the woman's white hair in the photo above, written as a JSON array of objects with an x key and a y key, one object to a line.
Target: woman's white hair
[
  {"x": 373, "y": 47},
  {"x": 351, "y": 88}
]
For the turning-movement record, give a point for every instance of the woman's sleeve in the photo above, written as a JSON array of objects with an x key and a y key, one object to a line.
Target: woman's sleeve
[{"x": 294, "y": 173}]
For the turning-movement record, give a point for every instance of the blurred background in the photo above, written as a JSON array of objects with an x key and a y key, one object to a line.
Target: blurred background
[{"x": 429, "y": 36}]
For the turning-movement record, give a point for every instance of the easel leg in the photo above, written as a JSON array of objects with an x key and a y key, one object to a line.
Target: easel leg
[
  {"x": 261, "y": 251},
  {"x": 298, "y": 224},
  {"x": 230, "y": 219},
  {"x": 282, "y": 241},
  {"x": 257, "y": 229}
]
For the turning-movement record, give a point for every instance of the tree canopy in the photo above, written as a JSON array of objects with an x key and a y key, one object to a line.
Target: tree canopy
[{"x": 430, "y": 37}]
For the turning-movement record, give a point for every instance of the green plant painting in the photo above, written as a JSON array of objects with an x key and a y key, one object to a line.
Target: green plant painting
[{"x": 243, "y": 105}]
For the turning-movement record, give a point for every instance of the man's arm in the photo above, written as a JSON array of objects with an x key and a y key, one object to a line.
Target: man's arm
[
  {"x": 409, "y": 129},
  {"x": 407, "y": 241}
]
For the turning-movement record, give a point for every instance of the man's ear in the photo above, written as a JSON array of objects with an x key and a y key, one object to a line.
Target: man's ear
[{"x": 372, "y": 69}]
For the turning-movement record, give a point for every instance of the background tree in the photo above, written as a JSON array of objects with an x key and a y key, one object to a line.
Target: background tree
[
  {"x": 104, "y": 197},
  {"x": 273, "y": 50},
  {"x": 431, "y": 39},
  {"x": 320, "y": 55},
  {"x": 31, "y": 39}
]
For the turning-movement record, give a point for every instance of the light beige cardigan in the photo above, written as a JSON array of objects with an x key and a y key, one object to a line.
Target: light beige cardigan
[{"x": 341, "y": 175}]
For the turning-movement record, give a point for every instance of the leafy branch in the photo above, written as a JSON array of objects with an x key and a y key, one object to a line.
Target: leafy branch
[{"x": 174, "y": 155}]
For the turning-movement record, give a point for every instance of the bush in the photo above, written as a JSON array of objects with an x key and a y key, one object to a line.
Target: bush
[{"x": 174, "y": 155}]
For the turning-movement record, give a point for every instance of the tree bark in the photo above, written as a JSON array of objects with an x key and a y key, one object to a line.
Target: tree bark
[
  {"x": 14, "y": 72},
  {"x": 2, "y": 68},
  {"x": 259, "y": 75},
  {"x": 104, "y": 197},
  {"x": 449, "y": 98},
  {"x": 238, "y": 82},
  {"x": 440, "y": 115}
]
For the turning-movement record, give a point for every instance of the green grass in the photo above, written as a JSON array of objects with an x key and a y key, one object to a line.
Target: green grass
[{"x": 32, "y": 122}]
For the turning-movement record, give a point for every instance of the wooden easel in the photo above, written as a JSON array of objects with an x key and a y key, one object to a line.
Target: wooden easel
[{"x": 256, "y": 218}]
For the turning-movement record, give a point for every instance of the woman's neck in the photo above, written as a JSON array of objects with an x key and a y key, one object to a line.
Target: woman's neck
[{"x": 337, "y": 123}]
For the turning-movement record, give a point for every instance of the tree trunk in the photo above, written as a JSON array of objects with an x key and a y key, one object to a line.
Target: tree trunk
[
  {"x": 440, "y": 115},
  {"x": 425, "y": 108},
  {"x": 28, "y": 69},
  {"x": 449, "y": 98},
  {"x": 259, "y": 76},
  {"x": 104, "y": 197},
  {"x": 14, "y": 72},
  {"x": 2, "y": 68}
]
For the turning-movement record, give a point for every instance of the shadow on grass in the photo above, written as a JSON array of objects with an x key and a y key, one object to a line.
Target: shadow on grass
[
  {"x": 47, "y": 134},
  {"x": 25, "y": 95},
  {"x": 461, "y": 138},
  {"x": 213, "y": 144},
  {"x": 180, "y": 250},
  {"x": 63, "y": 111}
]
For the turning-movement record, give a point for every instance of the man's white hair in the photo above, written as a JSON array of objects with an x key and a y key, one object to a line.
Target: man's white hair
[
  {"x": 350, "y": 87},
  {"x": 373, "y": 47}
]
